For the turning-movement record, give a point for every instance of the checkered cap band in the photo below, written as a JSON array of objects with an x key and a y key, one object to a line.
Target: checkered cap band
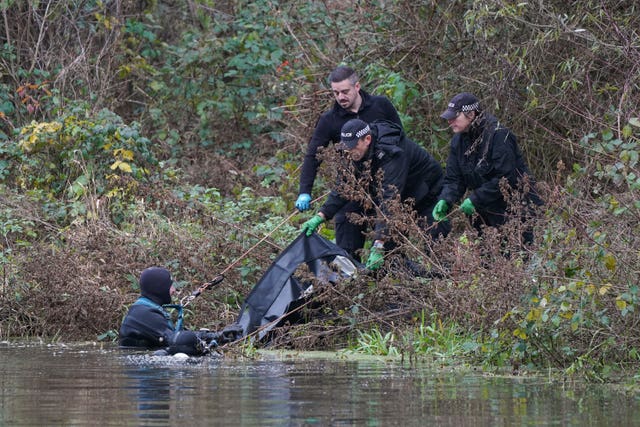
[
  {"x": 470, "y": 107},
  {"x": 363, "y": 132},
  {"x": 359, "y": 134}
]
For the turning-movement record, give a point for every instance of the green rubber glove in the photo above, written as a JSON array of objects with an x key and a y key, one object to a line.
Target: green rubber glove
[
  {"x": 467, "y": 207},
  {"x": 376, "y": 259},
  {"x": 312, "y": 225},
  {"x": 440, "y": 210}
]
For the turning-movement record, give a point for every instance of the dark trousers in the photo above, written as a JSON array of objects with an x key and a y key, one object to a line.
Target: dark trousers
[
  {"x": 351, "y": 237},
  {"x": 497, "y": 218},
  {"x": 436, "y": 229}
]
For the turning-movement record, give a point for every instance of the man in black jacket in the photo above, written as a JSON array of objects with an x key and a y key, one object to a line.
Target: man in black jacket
[
  {"x": 407, "y": 170},
  {"x": 350, "y": 102}
]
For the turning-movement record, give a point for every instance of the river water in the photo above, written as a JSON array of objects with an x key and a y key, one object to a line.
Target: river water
[{"x": 89, "y": 385}]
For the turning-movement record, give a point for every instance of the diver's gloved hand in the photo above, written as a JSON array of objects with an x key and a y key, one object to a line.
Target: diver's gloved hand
[
  {"x": 186, "y": 342},
  {"x": 440, "y": 210},
  {"x": 211, "y": 338},
  {"x": 302, "y": 204},
  {"x": 467, "y": 207},
  {"x": 376, "y": 259},
  {"x": 231, "y": 333},
  {"x": 312, "y": 225}
]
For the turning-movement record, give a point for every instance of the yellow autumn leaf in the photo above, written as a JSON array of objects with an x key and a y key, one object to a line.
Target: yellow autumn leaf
[
  {"x": 520, "y": 334},
  {"x": 113, "y": 193},
  {"x": 610, "y": 262},
  {"x": 604, "y": 289},
  {"x": 125, "y": 167},
  {"x": 533, "y": 314},
  {"x": 621, "y": 304},
  {"x": 124, "y": 154}
]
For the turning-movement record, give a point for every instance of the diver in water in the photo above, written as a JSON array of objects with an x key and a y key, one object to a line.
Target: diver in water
[{"x": 148, "y": 323}]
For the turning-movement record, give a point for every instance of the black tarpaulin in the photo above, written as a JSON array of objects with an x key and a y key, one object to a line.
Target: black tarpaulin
[{"x": 278, "y": 288}]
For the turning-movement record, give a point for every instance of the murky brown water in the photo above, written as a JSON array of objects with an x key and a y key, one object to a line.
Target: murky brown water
[{"x": 87, "y": 386}]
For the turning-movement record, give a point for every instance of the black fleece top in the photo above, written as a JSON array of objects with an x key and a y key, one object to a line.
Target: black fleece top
[{"x": 328, "y": 128}]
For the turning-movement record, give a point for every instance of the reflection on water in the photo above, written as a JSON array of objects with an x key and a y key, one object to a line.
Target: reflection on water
[
  {"x": 42, "y": 385},
  {"x": 151, "y": 391}
]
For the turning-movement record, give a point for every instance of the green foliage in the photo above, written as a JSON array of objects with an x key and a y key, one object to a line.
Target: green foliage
[
  {"x": 397, "y": 88},
  {"x": 376, "y": 342},
  {"x": 616, "y": 159},
  {"x": 228, "y": 72},
  {"x": 245, "y": 214},
  {"x": 16, "y": 232},
  {"x": 271, "y": 173},
  {"x": 76, "y": 158},
  {"x": 15, "y": 228},
  {"x": 445, "y": 340},
  {"x": 585, "y": 297}
]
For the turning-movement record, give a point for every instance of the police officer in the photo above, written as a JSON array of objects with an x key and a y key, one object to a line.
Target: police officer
[
  {"x": 407, "y": 170},
  {"x": 351, "y": 101},
  {"x": 482, "y": 153}
]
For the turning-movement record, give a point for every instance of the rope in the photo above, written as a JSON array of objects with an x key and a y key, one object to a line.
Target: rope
[
  {"x": 220, "y": 277},
  {"x": 248, "y": 251}
]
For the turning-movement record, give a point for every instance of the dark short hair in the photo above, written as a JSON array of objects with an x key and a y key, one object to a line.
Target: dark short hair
[{"x": 341, "y": 73}]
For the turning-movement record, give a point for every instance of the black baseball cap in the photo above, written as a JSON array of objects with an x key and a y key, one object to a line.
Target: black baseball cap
[
  {"x": 461, "y": 102},
  {"x": 351, "y": 132}
]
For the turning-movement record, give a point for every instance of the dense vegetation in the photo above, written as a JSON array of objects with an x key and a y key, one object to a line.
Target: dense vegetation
[{"x": 138, "y": 133}]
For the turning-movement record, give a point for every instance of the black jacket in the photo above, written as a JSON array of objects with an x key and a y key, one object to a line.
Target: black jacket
[
  {"x": 328, "y": 128},
  {"x": 480, "y": 170},
  {"x": 409, "y": 170}
]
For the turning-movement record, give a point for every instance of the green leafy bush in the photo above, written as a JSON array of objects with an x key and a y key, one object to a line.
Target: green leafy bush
[
  {"x": 585, "y": 299},
  {"x": 76, "y": 159}
]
